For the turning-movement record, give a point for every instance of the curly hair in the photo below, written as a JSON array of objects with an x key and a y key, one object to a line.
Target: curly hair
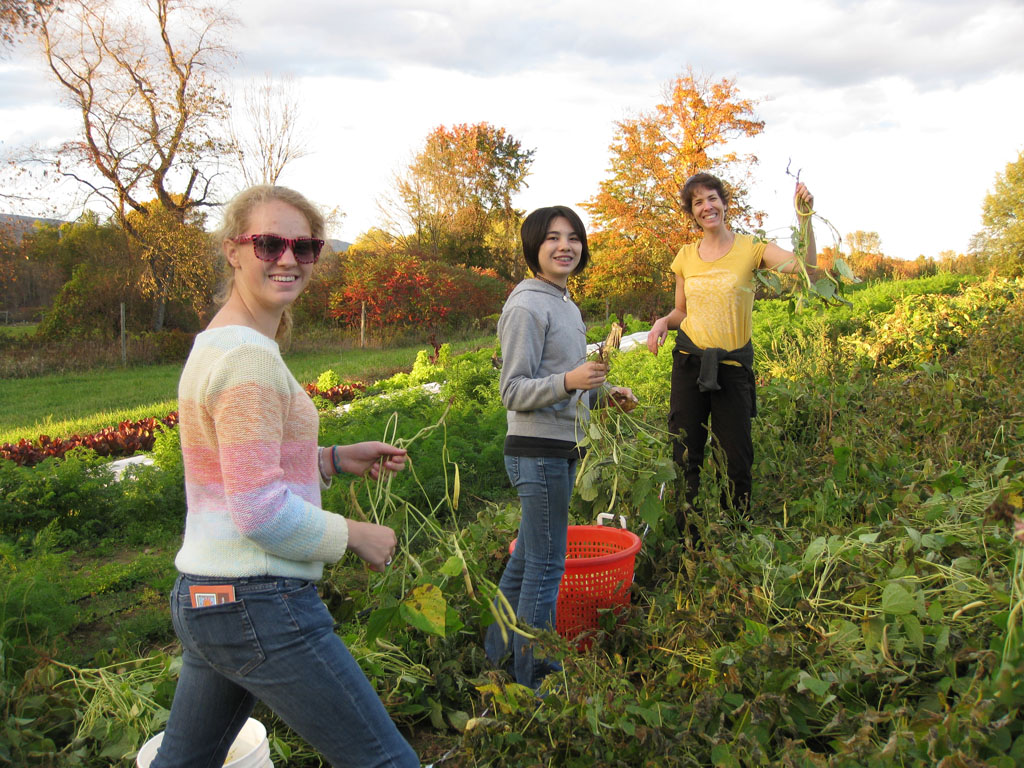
[{"x": 703, "y": 181}]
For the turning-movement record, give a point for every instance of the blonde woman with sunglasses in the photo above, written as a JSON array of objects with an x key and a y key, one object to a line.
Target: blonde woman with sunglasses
[{"x": 245, "y": 606}]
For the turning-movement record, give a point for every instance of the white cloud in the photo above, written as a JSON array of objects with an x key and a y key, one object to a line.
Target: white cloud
[
  {"x": 826, "y": 42},
  {"x": 900, "y": 112}
]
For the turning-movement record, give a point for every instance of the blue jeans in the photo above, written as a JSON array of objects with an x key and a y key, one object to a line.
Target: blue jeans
[
  {"x": 535, "y": 568},
  {"x": 275, "y": 643}
]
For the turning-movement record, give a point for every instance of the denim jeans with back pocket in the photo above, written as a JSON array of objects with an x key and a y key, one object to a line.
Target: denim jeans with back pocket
[{"x": 275, "y": 643}]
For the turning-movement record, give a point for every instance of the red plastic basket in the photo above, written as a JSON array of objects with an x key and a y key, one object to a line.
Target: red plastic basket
[{"x": 599, "y": 564}]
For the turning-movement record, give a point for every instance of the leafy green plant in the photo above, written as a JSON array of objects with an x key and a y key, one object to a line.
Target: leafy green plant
[
  {"x": 166, "y": 452},
  {"x": 922, "y": 328},
  {"x": 122, "y": 704},
  {"x": 329, "y": 391},
  {"x": 626, "y": 469},
  {"x": 327, "y": 380},
  {"x": 38, "y": 719},
  {"x": 76, "y": 492},
  {"x": 82, "y": 498},
  {"x": 434, "y": 590}
]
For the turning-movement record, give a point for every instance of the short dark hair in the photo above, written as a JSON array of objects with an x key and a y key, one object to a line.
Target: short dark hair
[
  {"x": 705, "y": 181},
  {"x": 535, "y": 229}
]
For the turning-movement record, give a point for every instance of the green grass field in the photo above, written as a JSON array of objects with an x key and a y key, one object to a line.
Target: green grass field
[
  {"x": 83, "y": 403},
  {"x": 18, "y": 330}
]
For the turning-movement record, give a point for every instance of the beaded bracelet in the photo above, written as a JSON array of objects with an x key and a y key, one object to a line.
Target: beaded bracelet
[{"x": 320, "y": 466}]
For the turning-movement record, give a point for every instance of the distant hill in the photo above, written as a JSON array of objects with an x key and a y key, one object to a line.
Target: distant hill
[
  {"x": 17, "y": 226},
  {"x": 338, "y": 246}
]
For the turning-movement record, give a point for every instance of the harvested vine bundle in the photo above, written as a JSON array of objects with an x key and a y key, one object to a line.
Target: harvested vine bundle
[
  {"x": 419, "y": 579},
  {"x": 809, "y": 283},
  {"x": 603, "y": 355}
]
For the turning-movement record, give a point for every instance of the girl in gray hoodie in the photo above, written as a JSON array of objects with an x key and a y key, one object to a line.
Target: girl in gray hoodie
[{"x": 548, "y": 386}]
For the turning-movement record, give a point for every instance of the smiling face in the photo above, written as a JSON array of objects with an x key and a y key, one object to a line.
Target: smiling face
[
  {"x": 266, "y": 288},
  {"x": 559, "y": 252},
  {"x": 708, "y": 208}
]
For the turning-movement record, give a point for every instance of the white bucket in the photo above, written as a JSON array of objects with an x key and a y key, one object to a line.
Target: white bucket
[{"x": 250, "y": 749}]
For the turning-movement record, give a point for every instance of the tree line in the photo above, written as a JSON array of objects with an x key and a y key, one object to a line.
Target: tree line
[{"x": 156, "y": 138}]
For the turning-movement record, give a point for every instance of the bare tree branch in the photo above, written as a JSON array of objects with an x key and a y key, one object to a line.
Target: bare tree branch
[
  {"x": 146, "y": 84},
  {"x": 268, "y": 134}
]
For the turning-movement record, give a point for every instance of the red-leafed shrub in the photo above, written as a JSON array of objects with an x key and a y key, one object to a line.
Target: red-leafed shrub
[
  {"x": 341, "y": 393},
  {"x": 403, "y": 289},
  {"x": 126, "y": 439}
]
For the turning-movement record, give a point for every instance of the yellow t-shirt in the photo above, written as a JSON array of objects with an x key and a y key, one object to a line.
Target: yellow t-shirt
[{"x": 719, "y": 294}]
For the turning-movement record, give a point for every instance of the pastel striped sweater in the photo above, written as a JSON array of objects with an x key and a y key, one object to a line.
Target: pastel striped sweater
[{"x": 252, "y": 482}]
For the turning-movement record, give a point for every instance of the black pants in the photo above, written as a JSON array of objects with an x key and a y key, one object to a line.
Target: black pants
[{"x": 730, "y": 410}]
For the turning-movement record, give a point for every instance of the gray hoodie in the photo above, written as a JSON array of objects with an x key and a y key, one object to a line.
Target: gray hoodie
[{"x": 542, "y": 337}]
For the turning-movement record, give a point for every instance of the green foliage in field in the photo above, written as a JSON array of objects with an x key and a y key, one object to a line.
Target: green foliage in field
[
  {"x": 82, "y": 498},
  {"x": 869, "y": 611},
  {"x": 76, "y": 493},
  {"x": 51, "y": 600},
  {"x": 775, "y": 324},
  {"x": 167, "y": 454},
  {"x": 424, "y": 370},
  {"x": 625, "y": 472},
  {"x": 474, "y": 432}
]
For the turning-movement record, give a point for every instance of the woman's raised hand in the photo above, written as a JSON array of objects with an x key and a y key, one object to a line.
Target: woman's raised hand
[{"x": 803, "y": 200}]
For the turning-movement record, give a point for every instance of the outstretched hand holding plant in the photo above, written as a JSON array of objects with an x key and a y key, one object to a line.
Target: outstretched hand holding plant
[{"x": 812, "y": 281}]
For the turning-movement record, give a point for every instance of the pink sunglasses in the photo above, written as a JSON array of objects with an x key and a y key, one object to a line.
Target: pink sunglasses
[{"x": 271, "y": 247}]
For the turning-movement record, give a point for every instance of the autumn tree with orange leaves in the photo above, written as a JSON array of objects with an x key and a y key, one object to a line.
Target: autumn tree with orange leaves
[
  {"x": 454, "y": 202},
  {"x": 638, "y": 213}
]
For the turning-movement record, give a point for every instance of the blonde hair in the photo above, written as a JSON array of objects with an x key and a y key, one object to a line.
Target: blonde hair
[{"x": 236, "y": 221}]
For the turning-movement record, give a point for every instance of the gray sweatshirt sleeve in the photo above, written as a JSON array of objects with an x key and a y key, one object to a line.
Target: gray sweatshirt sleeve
[{"x": 522, "y": 346}]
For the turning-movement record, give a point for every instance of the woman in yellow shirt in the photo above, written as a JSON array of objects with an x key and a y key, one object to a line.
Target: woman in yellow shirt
[{"x": 712, "y": 364}]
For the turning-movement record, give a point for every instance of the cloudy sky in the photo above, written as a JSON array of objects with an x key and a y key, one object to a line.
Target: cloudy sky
[{"x": 900, "y": 113}]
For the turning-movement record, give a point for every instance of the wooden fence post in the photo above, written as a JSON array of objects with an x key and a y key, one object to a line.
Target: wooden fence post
[{"x": 124, "y": 340}]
